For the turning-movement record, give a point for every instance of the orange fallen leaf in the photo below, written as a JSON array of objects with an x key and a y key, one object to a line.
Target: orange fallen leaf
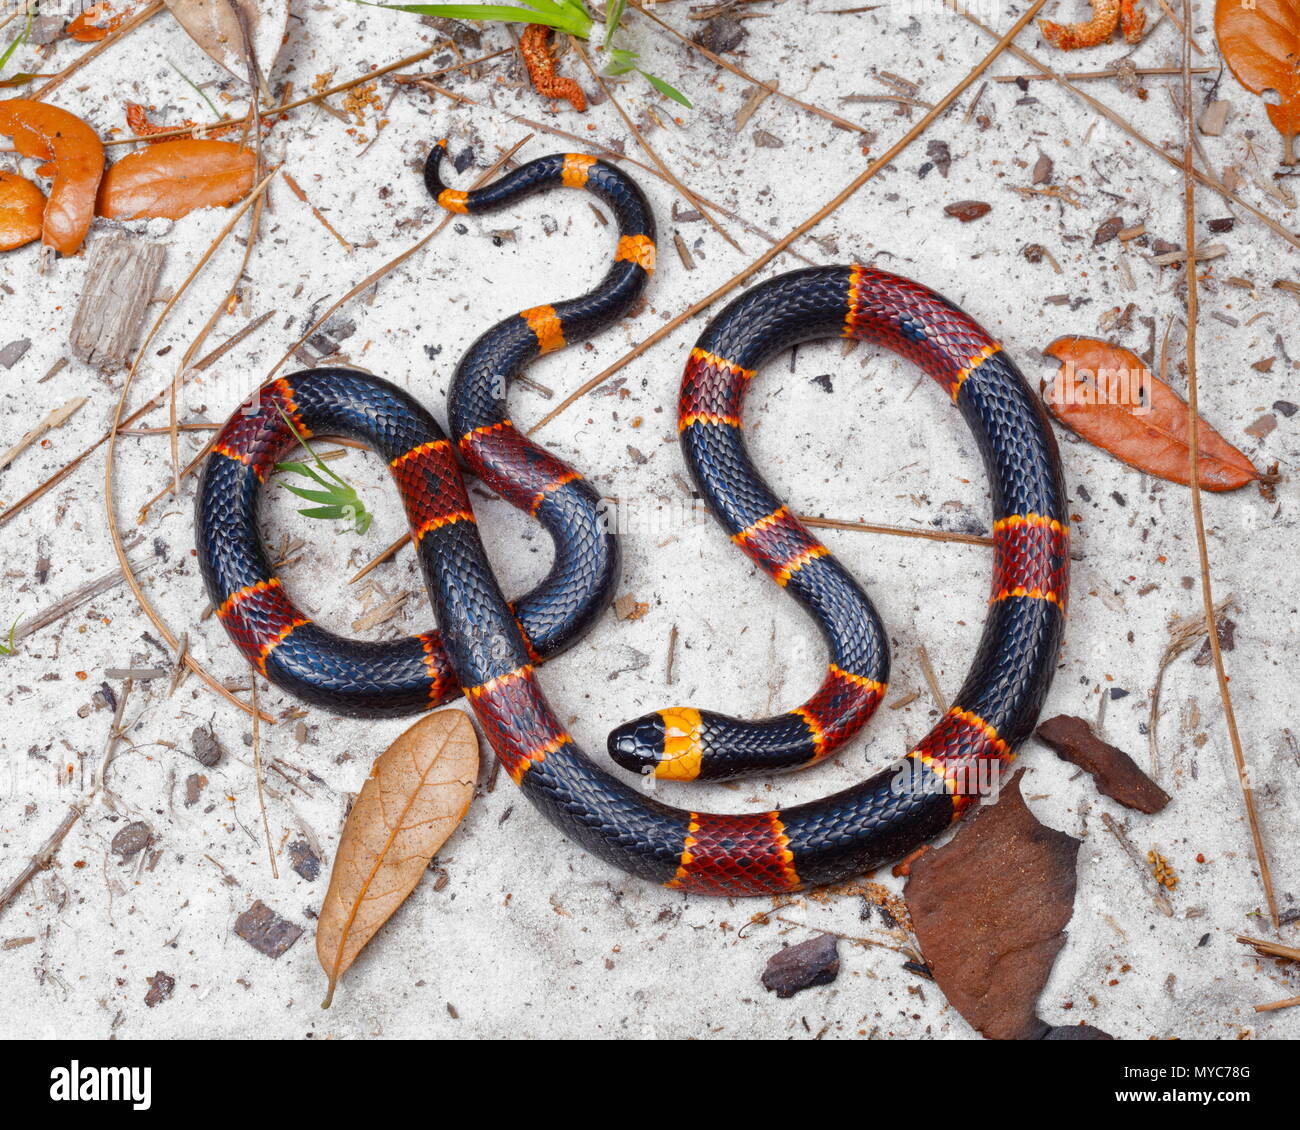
[
  {"x": 73, "y": 156},
  {"x": 1260, "y": 42},
  {"x": 22, "y": 204},
  {"x": 86, "y": 28},
  {"x": 1105, "y": 394},
  {"x": 418, "y": 791},
  {"x": 173, "y": 178}
]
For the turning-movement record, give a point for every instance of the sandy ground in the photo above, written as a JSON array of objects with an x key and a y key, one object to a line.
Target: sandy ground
[{"x": 528, "y": 935}]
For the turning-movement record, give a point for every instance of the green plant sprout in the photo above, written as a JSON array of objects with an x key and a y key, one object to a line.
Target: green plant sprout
[
  {"x": 11, "y": 648},
  {"x": 15, "y": 43},
  {"x": 338, "y": 499},
  {"x": 564, "y": 15}
]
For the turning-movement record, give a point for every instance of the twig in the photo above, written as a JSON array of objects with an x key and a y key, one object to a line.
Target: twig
[
  {"x": 71, "y": 602},
  {"x": 296, "y": 189},
  {"x": 1272, "y": 1006},
  {"x": 1270, "y": 949},
  {"x": 257, "y": 772},
  {"x": 811, "y": 222},
  {"x": 1194, "y": 460},
  {"x": 103, "y": 45},
  {"x": 770, "y": 87},
  {"x": 110, "y": 511},
  {"x": 233, "y": 340},
  {"x": 43, "y": 856},
  {"x": 930, "y": 680},
  {"x": 672, "y": 177},
  {"x": 1158, "y": 895},
  {"x": 55, "y": 418},
  {"x": 1085, "y": 76}
]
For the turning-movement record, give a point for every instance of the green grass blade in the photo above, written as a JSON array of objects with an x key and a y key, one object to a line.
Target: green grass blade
[
  {"x": 613, "y": 17},
  {"x": 666, "y": 90},
  {"x": 575, "y": 23},
  {"x": 327, "y": 512},
  {"x": 333, "y": 497}
]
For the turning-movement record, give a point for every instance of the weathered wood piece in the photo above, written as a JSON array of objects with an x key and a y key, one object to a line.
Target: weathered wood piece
[{"x": 120, "y": 280}]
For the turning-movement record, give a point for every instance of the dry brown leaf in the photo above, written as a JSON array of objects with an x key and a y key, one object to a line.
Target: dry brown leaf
[
  {"x": 990, "y": 909},
  {"x": 1260, "y": 41},
  {"x": 418, "y": 791},
  {"x": 1105, "y": 394},
  {"x": 215, "y": 27},
  {"x": 22, "y": 204},
  {"x": 73, "y": 156},
  {"x": 173, "y": 178}
]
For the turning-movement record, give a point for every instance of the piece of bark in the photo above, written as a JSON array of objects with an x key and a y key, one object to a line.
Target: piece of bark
[
  {"x": 161, "y": 986},
  {"x": 810, "y": 963},
  {"x": 303, "y": 860},
  {"x": 120, "y": 280},
  {"x": 265, "y": 930},
  {"x": 990, "y": 908},
  {"x": 12, "y": 353},
  {"x": 1115, "y": 773}
]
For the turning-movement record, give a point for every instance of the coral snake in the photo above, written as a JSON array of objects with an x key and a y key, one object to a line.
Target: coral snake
[{"x": 491, "y": 648}]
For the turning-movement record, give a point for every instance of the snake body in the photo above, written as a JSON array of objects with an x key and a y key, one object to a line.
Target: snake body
[{"x": 494, "y": 660}]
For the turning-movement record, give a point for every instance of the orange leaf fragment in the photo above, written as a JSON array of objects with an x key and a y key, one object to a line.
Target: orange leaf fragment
[
  {"x": 418, "y": 791},
  {"x": 1105, "y": 394},
  {"x": 86, "y": 28},
  {"x": 73, "y": 156},
  {"x": 1260, "y": 42},
  {"x": 172, "y": 178},
  {"x": 22, "y": 204}
]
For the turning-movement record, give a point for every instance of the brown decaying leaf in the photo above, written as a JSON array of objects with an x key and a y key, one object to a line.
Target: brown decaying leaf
[
  {"x": 418, "y": 791},
  {"x": 1098, "y": 394},
  {"x": 990, "y": 908},
  {"x": 215, "y": 27},
  {"x": 1260, "y": 42},
  {"x": 173, "y": 178},
  {"x": 73, "y": 156},
  {"x": 22, "y": 204}
]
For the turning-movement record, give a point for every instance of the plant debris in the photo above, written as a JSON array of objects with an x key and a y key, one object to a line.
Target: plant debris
[
  {"x": 170, "y": 179},
  {"x": 1115, "y": 773},
  {"x": 803, "y": 966},
  {"x": 266, "y": 931},
  {"x": 73, "y": 156},
  {"x": 418, "y": 791},
  {"x": 1259, "y": 44},
  {"x": 161, "y": 987},
  {"x": 990, "y": 908},
  {"x": 968, "y": 210},
  {"x": 1105, "y": 394}
]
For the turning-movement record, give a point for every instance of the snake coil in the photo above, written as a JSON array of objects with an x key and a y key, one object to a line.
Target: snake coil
[{"x": 491, "y": 652}]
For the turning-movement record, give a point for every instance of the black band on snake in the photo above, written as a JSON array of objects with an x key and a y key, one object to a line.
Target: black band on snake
[{"x": 846, "y": 834}]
